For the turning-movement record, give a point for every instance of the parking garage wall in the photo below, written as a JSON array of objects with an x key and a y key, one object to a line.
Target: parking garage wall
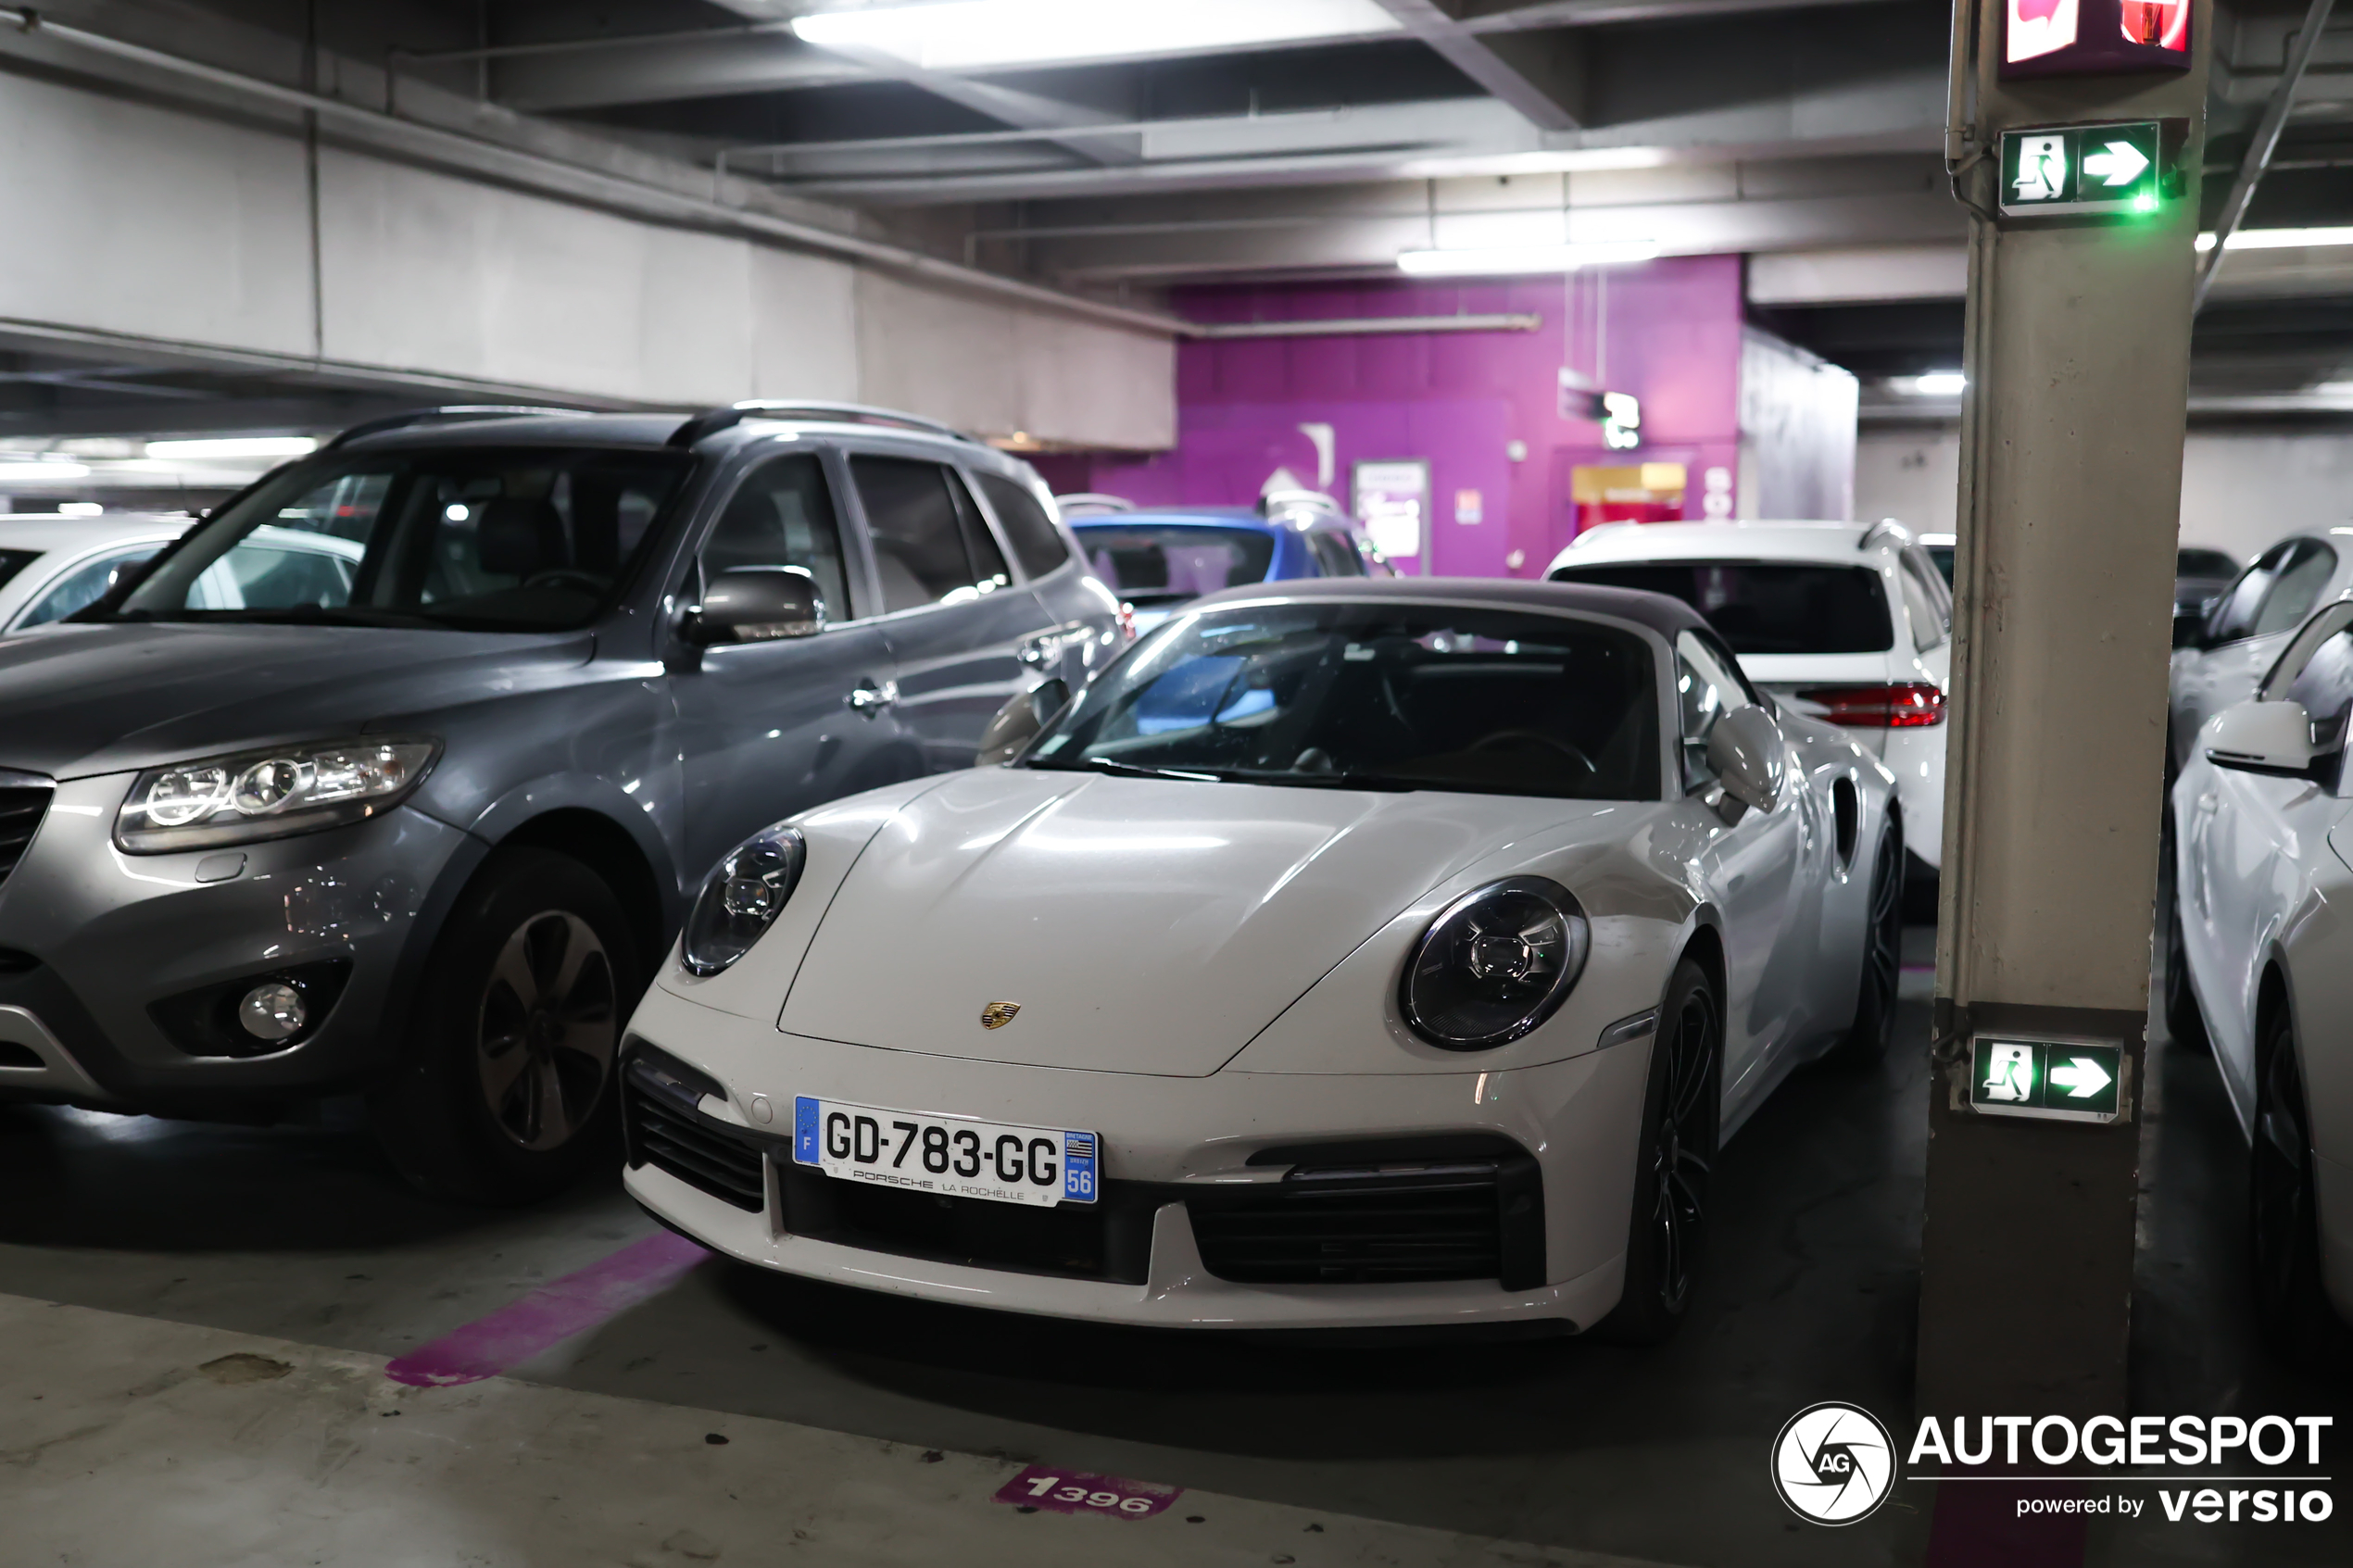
[
  {"x": 146, "y": 228},
  {"x": 1667, "y": 332},
  {"x": 2241, "y": 489}
]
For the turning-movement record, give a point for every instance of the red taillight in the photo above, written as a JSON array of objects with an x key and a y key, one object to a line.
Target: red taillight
[
  {"x": 1907, "y": 704},
  {"x": 1127, "y": 621}
]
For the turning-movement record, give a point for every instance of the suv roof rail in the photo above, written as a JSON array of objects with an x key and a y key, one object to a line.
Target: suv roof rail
[
  {"x": 1094, "y": 501},
  {"x": 453, "y": 411},
  {"x": 711, "y": 421},
  {"x": 1885, "y": 528}
]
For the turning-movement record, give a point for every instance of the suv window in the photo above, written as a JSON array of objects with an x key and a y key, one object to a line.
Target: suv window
[
  {"x": 924, "y": 530},
  {"x": 1038, "y": 543},
  {"x": 2233, "y": 616},
  {"x": 482, "y": 538},
  {"x": 2309, "y": 566},
  {"x": 1766, "y": 607},
  {"x": 13, "y": 561},
  {"x": 85, "y": 585},
  {"x": 1707, "y": 686},
  {"x": 783, "y": 515},
  {"x": 1929, "y": 623},
  {"x": 1334, "y": 556}
]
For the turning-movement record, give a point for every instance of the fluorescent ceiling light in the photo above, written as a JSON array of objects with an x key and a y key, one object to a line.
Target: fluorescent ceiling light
[
  {"x": 2280, "y": 239},
  {"x": 1940, "y": 384},
  {"x": 1579, "y": 160},
  {"x": 1522, "y": 258},
  {"x": 17, "y": 471},
  {"x": 978, "y": 35},
  {"x": 80, "y": 509},
  {"x": 236, "y": 446}
]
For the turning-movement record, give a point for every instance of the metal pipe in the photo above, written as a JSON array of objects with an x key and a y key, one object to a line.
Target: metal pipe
[
  {"x": 1042, "y": 133},
  {"x": 582, "y": 46},
  {"x": 1366, "y": 326},
  {"x": 617, "y": 189},
  {"x": 2258, "y": 151}
]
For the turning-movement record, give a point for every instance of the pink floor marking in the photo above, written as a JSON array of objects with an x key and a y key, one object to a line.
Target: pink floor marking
[{"x": 558, "y": 1309}]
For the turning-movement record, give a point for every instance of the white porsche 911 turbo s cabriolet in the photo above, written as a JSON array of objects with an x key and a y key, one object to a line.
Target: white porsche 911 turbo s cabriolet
[{"x": 1353, "y": 954}]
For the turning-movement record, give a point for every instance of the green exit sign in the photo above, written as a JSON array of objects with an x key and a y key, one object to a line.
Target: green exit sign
[
  {"x": 2082, "y": 170},
  {"x": 2052, "y": 1080}
]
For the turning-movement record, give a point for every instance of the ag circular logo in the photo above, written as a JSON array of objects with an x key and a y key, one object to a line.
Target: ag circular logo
[{"x": 1834, "y": 1463}]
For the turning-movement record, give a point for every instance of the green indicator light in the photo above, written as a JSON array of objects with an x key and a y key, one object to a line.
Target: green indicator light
[{"x": 2144, "y": 202}]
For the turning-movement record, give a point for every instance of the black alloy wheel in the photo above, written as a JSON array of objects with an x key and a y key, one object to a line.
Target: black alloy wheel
[
  {"x": 1680, "y": 1123},
  {"x": 505, "y": 1091},
  {"x": 1873, "y": 1031},
  {"x": 2290, "y": 1303},
  {"x": 548, "y": 1031}
]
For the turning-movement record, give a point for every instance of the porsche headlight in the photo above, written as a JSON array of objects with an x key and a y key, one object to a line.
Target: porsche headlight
[
  {"x": 259, "y": 795},
  {"x": 741, "y": 899},
  {"x": 1496, "y": 964}
]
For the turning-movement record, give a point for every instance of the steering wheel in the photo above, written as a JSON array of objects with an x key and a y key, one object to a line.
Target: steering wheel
[
  {"x": 560, "y": 576},
  {"x": 1520, "y": 740}
]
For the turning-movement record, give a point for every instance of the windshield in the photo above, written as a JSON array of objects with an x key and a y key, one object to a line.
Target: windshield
[
  {"x": 478, "y": 538},
  {"x": 1766, "y": 607},
  {"x": 1160, "y": 563},
  {"x": 1377, "y": 696}
]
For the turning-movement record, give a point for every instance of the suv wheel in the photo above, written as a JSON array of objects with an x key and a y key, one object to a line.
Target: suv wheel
[
  {"x": 2290, "y": 1303},
  {"x": 505, "y": 1093}
]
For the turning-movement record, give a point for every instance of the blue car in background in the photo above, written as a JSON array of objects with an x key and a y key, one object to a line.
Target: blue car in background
[{"x": 1155, "y": 559}]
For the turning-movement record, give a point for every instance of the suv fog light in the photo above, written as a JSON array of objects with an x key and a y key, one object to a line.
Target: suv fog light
[{"x": 274, "y": 1011}]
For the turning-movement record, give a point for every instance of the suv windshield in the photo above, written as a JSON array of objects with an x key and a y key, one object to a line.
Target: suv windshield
[
  {"x": 1378, "y": 696},
  {"x": 1766, "y": 607},
  {"x": 1147, "y": 563},
  {"x": 478, "y": 538}
]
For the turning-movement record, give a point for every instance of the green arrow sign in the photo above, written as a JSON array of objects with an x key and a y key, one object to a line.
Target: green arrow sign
[
  {"x": 2055, "y": 1080},
  {"x": 2081, "y": 170}
]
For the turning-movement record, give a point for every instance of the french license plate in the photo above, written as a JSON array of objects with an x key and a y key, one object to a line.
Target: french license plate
[{"x": 950, "y": 1155}]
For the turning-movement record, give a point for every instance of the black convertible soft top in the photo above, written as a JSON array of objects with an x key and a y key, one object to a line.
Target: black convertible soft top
[{"x": 1660, "y": 612}]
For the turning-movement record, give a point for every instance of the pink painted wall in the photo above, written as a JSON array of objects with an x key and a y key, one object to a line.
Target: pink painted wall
[{"x": 1670, "y": 330}]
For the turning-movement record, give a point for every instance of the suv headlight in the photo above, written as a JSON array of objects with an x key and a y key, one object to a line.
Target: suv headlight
[
  {"x": 1495, "y": 963},
  {"x": 741, "y": 899},
  {"x": 258, "y": 795}
]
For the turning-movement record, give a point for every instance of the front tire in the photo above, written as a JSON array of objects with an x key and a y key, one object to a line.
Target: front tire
[
  {"x": 1681, "y": 1121},
  {"x": 2290, "y": 1303},
  {"x": 506, "y": 1093}
]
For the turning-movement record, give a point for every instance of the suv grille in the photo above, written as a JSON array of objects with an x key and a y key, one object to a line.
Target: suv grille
[
  {"x": 1469, "y": 1219},
  {"x": 663, "y": 1129},
  {"x": 21, "y": 813}
]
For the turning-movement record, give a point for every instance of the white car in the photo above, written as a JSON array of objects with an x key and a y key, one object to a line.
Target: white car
[
  {"x": 1358, "y": 953},
  {"x": 1844, "y": 622},
  {"x": 50, "y": 565},
  {"x": 2260, "y": 964},
  {"x": 2224, "y": 653}
]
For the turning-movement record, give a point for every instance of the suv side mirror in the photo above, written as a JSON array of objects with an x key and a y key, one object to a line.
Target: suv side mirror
[
  {"x": 1018, "y": 723},
  {"x": 1746, "y": 750},
  {"x": 2261, "y": 737},
  {"x": 756, "y": 604}
]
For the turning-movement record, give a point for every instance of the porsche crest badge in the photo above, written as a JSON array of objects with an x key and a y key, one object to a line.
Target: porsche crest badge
[{"x": 995, "y": 1015}]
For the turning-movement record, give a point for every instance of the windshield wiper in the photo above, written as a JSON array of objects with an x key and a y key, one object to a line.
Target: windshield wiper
[
  {"x": 1315, "y": 781},
  {"x": 1125, "y": 770}
]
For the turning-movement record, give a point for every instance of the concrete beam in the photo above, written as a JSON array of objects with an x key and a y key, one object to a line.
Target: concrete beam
[{"x": 1540, "y": 75}]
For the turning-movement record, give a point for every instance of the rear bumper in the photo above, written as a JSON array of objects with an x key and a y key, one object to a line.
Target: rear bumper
[{"x": 1171, "y": 1148}]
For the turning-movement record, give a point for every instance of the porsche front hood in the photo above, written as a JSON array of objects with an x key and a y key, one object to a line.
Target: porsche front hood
[{"x": 1139, "y": 925}]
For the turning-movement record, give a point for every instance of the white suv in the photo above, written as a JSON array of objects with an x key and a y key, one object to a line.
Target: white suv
[{"x": 1847, "y": 623}]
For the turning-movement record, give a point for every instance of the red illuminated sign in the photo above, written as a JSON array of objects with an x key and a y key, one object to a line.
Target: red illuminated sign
[{"x": 2094, "y": 37}]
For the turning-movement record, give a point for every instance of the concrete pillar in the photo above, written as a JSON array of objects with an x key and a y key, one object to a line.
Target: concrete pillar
[{"x": 2078, "y": 360}]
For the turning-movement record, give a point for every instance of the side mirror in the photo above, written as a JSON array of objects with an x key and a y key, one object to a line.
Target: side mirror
[
  {"x": 756, "y": 604},
  {"x": 1018, "y": 723},
  {"x": 2261, "y": 737},
  {"x": 1746, "y": 750}
]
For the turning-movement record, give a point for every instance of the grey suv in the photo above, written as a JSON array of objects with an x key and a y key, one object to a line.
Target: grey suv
[{"x": 421, "y": 826}]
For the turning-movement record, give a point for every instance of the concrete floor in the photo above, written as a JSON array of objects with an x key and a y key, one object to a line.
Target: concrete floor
[{"x": 300, "y": 1235}]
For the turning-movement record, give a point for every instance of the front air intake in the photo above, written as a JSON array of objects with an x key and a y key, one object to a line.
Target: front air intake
[
  {"x": 21, "y": 808},
  {"x": 663, "y": 1128}
]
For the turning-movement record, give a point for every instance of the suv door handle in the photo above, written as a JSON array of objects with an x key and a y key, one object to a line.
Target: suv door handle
[{"x": 866, "y": 699}]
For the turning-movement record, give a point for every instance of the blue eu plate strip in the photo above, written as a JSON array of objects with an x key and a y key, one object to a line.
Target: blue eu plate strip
[{"x": 804, "y": 1131}]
